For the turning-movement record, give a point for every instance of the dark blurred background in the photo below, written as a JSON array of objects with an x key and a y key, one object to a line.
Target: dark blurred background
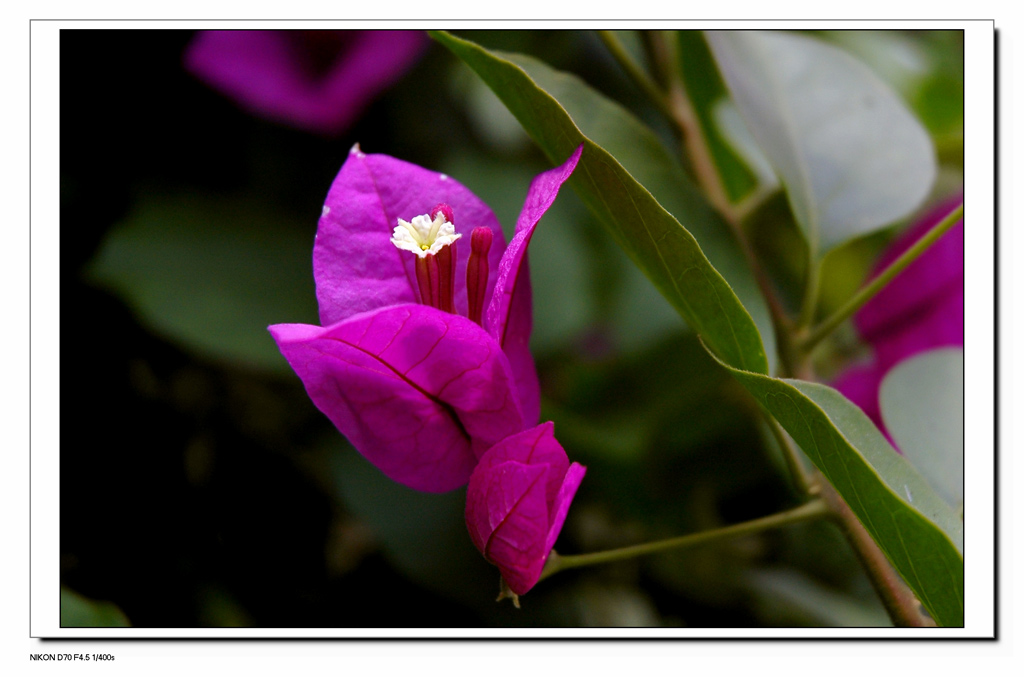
[{"x": 201, "y": 487}]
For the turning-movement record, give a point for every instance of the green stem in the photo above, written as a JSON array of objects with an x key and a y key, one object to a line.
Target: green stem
[
  {"x": 868, "y": 291},
  {"x": 811, "y": 510},
  {"x": 635, "y": 72}
]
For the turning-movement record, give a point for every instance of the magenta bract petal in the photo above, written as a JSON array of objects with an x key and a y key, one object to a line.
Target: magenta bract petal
[
  {"x": 536, "y": 446},
  {"x": 517, "y": 501},
  {"x": 560, "y": 510},
  {"x": 320, "y": 81},
  {"x": 509, "y": 315},
  {"x": 515, "y": 492},
  {"x": 419, "y": 392},
  {"x": 355, "y": 266}
]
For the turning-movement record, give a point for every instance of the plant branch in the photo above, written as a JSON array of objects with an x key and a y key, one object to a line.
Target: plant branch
[
  {"x": 685, "y": 119},
  {"x": 866, "y": 293},
  {"x": 899, "y": 601},
  {"x": 813, "y": 509}
]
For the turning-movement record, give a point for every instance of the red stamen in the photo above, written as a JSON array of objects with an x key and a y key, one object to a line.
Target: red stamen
[
  {"x": 435, "y": 275},
  {"x": 428, "y": 279},
  {"x": 477, "y": 272}
]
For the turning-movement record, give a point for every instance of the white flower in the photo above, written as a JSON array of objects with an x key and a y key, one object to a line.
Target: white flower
[{"x": 423, "y": 236}]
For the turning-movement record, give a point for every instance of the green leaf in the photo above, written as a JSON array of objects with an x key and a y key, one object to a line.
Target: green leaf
[
  {"x": 922, "y": 403},
  {"x": 623, "y": 163},
  {"x": 918, "y": 532},
  {"x": 925, "y": 67},
  {"x": 77, "y": 611},
  {"x": 851, "y": 155},
  {"x": 212, "y": 274}
]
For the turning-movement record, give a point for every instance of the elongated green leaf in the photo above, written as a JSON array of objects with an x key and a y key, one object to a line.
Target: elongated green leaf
[
  {"x": 922, "y": 403},
  {"x": 623, "y": 163},
  {"x": 851, "y": 155},
  {"x": 918, "y": 532},
  {"x": 211, "y": 274}
]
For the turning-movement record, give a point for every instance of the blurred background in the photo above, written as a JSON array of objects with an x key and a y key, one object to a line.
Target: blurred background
[{"x": 201, "y": 487}]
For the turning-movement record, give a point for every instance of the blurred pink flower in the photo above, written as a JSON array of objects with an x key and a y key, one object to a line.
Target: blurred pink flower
[
  {"x": 921, "y": 309},
  {"x": 319, "y": 81},
  {"x": 517, "y": 500}
]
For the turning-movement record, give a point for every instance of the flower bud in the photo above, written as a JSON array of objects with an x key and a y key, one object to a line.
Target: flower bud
[{"x": 517, "y": 500}]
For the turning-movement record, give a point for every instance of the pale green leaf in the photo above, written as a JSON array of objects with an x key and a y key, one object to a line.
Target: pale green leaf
[
  {"x": 732, "y": 128},
  {"x": 850, "y": 154},
  {"x": 922, "y": 403}
]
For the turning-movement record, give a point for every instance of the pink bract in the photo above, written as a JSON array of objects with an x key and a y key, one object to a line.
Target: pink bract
[
  {"x": 517, "y": 500},
  {"x": 419, "y": 392},
  {"x": 320, "y": 81}
]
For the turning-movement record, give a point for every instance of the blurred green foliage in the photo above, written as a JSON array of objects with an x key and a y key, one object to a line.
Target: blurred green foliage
[
  {"x": 211, "y": 272},
  {"x": 80, "y": 612}
]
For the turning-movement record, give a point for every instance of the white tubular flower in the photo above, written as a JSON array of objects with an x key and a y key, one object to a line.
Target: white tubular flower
[{"x": 424, "y": 236}]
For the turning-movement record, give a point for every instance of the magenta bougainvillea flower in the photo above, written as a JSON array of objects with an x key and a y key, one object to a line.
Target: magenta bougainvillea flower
[
  {"x": 517, "y": 501},
  {"x": 921, "y": 309},
  {"x": 422, "y": 360},
  {"x": 319, "y": 81}
]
